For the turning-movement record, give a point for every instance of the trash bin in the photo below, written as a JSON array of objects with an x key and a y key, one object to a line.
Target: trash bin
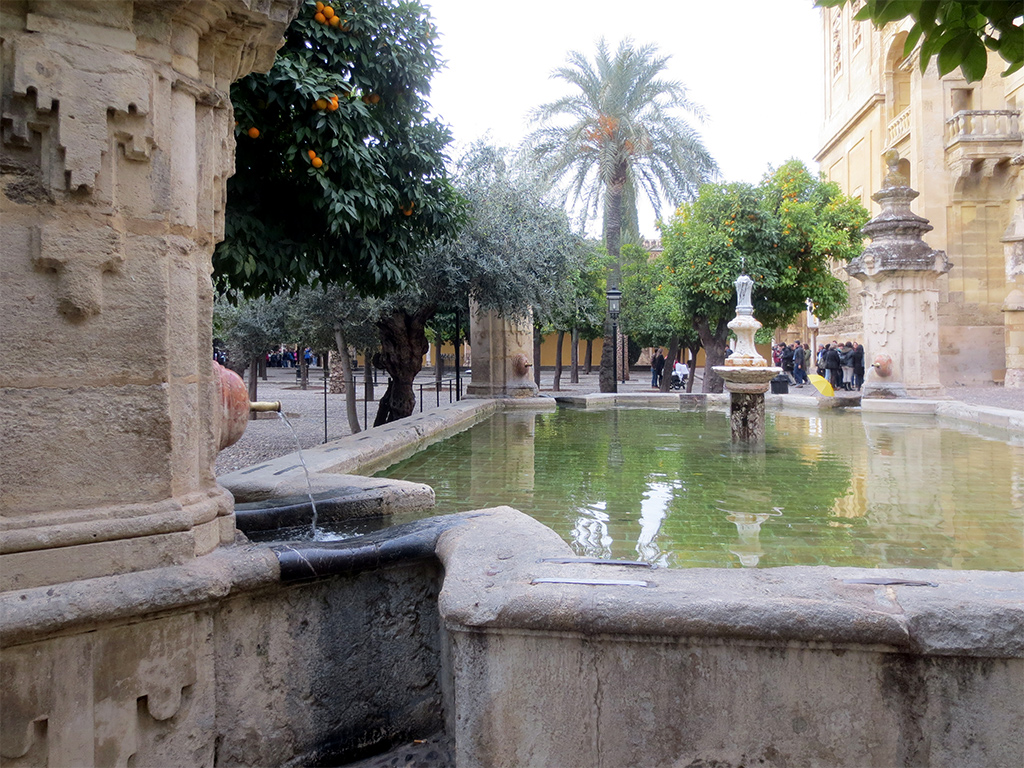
[{"x": 780, "y": 384}]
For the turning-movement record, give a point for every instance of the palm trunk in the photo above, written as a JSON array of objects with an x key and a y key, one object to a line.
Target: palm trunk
[
  {"x": 346, "y": 375},
  {"x": 613, "y": 243}
]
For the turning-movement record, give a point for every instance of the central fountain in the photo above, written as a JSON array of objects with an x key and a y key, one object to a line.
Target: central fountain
[{"x": 746, "y": 373}]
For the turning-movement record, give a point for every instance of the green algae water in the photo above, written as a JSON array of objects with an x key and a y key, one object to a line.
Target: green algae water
[{"x": 667, "y": 487}]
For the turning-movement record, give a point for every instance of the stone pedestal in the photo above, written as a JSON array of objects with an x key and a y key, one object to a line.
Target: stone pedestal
[
  {"x": 900, "y": 296},
  {"x": 116, "y": 141},
  {"x": 502, "y": 356}
]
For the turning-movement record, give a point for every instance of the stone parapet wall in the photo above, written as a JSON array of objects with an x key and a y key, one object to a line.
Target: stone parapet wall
[
  {"x": 116, "y": 141},
  {"x": 565, "y": 663}
]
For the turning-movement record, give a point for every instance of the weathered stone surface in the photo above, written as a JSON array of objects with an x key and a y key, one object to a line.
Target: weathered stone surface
[
  {"x": 785, "y": 665},
  {"x": 116, "y": 147}
]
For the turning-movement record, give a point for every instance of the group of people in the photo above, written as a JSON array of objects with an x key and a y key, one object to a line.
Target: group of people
[
  {"x": 842, "y": 365},
  {"x": 679, "y": 370}
]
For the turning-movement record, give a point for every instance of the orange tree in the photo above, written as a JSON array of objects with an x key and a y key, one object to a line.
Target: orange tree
[
  {"x": 340, "y": 176},
  {"x": 786, "y": 233}
]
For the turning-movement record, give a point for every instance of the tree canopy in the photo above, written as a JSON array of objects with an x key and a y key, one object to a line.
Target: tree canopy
[
  {"x": 785, "y": 233},
  {"x": 955, "y": 32},
  {"x": 340, "y": 176}
]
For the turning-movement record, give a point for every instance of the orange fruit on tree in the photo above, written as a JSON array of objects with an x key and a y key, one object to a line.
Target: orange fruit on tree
[
  {"x": 311, "y": 154},
  {"x": 317, "y": 162},
  {"x": 320, "y": 17},
  {"x": 254, "y": 132},
  {"x": 333, "y": 106},
  {"x": 334, "y": 21},
  {"x": 328, "y": 11},
  {"x": 321, "y": 104},
  {"x": 319, "y": 6},
  {"x": 344, "y": 26}
]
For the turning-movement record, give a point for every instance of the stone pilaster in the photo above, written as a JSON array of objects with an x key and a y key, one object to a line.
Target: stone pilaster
[
  {"x": 502, "y": 356},
  {"x": 116, "y": 145},
  {"x": 900, "y": 296}
]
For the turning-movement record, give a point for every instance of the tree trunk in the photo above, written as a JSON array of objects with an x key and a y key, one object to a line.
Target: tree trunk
[
  {"x": 438, "y": 367},
  {"x": 263, "y": 367},
  {"x": 350, "y": 383},
  {"x": 612, "y": 243},
  {"x": 303, "y": 368},
  {"x": 368, "y": 375},
  {"x": 574, "y": 357},
  {"x": 713, "y": 342},
  {"x": 693, "y": 349},
  {"x": 254, "y": 368},
  {"x": 588, "y": 357},
  {"x": 670, "y": 362},
  {"x": 403, "y": 343},
  {"x": 558, "y": 362},
  {"x": 536, "y": 356}
]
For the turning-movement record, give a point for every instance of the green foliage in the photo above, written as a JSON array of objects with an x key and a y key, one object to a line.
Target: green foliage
[
  {"x": 580, "y": 302},
  {"x": 250, "y": 328},
  {"x": 785, "y": 233},
  {"x": 381, "y": 194},
  {"x": 956, "y": 32},
  {"x": 651, "y": 311}
]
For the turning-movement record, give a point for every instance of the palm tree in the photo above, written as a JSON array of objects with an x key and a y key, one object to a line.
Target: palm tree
[{"x": 618, "y": 134}]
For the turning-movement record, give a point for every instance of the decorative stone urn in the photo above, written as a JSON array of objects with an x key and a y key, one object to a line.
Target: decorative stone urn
[
  {"x": 746, "y": 373},
  {"x": 900, "y": 297}
]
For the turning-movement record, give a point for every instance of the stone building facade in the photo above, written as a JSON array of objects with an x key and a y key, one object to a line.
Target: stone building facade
[{"x": 961, "y": 148}]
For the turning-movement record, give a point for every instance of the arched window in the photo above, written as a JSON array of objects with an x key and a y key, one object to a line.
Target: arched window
[{"x": 837, "y": 42}]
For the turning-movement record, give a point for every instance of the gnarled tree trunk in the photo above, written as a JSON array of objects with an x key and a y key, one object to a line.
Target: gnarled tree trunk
[
  {"x": 713, "y": 341},
  {"x": 403, "y": 343},
  {"x": 670, "y": 362}
]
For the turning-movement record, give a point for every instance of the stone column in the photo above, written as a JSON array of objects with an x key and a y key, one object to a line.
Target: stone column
[
  {"x": 900, "y": 296},
  {"x": 1013, "y": 305},
  {"x": 502, "y": 356},
  {"x": 117, "y": 143}
]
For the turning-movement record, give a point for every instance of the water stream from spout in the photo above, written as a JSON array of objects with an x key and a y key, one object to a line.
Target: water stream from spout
[{"x": 309, "y": 485}]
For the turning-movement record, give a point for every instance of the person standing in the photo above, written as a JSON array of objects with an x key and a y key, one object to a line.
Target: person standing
[
  {"x": 799, "y": 358},
  {"x": 657, "y": 368},
  {"x": 858, "y": 365},
  {"x": 834, "y": 366},
  {"x": 787, "y": 362}
]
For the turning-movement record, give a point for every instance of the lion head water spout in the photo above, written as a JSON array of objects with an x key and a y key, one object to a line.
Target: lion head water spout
[{"x": 746, "y": 373}]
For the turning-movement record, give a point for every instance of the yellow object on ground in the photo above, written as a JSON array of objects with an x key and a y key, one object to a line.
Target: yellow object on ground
[{"x": 821, "y": 384}]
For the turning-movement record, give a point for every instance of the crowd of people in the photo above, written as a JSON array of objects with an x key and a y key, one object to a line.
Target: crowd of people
[{"x": 841, "y": 364}]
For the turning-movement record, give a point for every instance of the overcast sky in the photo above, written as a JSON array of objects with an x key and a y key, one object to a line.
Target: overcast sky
[{"x": 754, "y": 65}]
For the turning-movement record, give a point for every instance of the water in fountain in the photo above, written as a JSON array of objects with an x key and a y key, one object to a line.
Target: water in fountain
[{"x": 314, "y": 533}]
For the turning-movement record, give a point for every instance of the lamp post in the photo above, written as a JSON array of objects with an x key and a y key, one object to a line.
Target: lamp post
[{"x": 614, "y": 297}]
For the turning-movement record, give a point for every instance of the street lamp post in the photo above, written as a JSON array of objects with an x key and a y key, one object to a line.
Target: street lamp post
[{"x": 614, "y": 297}]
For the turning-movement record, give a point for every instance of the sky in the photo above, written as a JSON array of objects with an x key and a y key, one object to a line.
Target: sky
[{"x": 754, "y": 65}]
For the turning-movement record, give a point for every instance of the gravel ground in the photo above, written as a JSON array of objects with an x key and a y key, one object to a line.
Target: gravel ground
[{"x": 266, "y": 438}]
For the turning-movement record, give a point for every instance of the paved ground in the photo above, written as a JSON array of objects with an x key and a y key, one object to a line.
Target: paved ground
[{"x": 267, "y": 438}]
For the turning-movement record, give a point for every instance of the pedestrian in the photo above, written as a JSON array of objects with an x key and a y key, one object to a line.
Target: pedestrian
[
  {"x": 834, "y": 366},
  {"x": 799, "y": 356},
  {"x": 787, "y": 362},
  {"x": 846, "y": 359},
  {"x": 858, "y": 365},
  {"x": 657, "y": 368}
]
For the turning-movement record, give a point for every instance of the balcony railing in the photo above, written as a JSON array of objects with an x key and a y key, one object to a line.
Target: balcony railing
[
  {"x": 983, "y": 125},
  {"x": 899, "y": 127}
]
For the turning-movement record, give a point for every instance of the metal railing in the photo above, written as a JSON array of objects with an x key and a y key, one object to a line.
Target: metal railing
[{"x": 454, "y": 390}]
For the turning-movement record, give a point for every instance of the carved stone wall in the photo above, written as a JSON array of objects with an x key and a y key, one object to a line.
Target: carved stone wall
[{"x": 116, "y": 140}]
